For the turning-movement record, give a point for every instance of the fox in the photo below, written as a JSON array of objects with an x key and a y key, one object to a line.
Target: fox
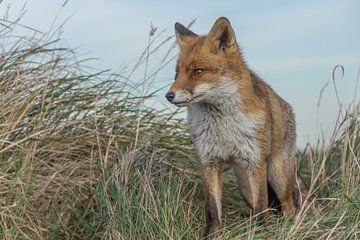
[{"x": 237, "y": 119}]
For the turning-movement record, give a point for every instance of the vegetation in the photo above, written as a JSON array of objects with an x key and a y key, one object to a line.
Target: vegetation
[{"x": 82, "y": 157}]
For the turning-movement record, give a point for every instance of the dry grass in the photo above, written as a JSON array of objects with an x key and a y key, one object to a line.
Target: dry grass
[{"x": 82, "y": 157}]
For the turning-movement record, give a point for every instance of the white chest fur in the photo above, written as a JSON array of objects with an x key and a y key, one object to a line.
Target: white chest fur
[{"x": 224, "y": 133}]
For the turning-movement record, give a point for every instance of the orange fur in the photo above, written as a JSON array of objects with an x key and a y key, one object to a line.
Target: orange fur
[{"x": 235, "y": 118}]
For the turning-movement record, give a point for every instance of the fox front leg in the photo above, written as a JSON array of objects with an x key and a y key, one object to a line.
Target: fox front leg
[
  {"x": 211, "y": 179},
  {"x": 253, "y": 186}
]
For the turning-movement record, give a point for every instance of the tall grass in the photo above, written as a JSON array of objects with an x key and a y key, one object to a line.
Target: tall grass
[{"x": 82, "y": 157}]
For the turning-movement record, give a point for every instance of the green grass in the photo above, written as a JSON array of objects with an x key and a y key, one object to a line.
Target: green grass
[{"x": 81, "y": 157}]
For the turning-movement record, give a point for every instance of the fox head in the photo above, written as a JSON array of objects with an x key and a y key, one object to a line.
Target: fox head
[{"x": 207, "y": 66}]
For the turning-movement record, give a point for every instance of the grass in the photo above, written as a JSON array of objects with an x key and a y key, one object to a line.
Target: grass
[{"x": 82, "y": 157}]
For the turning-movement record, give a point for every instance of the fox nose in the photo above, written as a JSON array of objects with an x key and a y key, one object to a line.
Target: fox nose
[{"x": 170, "y": 96}]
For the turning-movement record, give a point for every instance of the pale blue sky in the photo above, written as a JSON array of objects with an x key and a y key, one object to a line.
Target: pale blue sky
[{"x": 292, "y": 45}]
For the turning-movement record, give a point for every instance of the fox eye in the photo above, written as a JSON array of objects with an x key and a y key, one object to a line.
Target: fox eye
[{"x": 198, "y": 71}]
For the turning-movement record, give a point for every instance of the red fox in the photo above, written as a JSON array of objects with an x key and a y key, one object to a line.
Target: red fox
[{"x": 237, "y": 119}]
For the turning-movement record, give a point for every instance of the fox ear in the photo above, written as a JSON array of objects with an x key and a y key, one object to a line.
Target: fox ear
[
  {"x": 183, "y": 35},
  {"x": 221, "y": 37}
]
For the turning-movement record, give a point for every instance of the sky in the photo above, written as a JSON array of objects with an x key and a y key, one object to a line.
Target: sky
[{"x": 292, "y": 45}]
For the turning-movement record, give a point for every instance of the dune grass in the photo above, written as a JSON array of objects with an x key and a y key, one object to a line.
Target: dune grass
[{"x": 81, "y": 157}]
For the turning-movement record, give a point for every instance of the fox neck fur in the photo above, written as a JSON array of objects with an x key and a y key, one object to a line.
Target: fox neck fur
[{"x": 222, "y": 128}]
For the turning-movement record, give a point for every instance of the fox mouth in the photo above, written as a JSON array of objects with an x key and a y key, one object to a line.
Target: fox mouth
[
  {"x": 182, "y": 104},
  {"x": 187, "y": 102}
]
